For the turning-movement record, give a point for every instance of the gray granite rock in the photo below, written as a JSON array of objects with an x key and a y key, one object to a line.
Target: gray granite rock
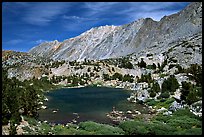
[
  {"x": 115, "y": 41},
  {"x": 175, "y": 106}
]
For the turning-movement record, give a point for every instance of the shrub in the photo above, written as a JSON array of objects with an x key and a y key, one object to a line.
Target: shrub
[
  {"x": 155, "y": 87},
  {"x": 164, "y": 95},
  {"x": 152, "y": 94},
  {"x": 117, "y": 76},
  {"x": 128, "y": 78},
  {"x": 185, "y": 112},
  {"x": 142, "y": 64},
  {"x": 134, "y": 127},
  {"x": 184, "y": 122},
  {"x": 171, "y": 66},
  {"x": 170, "y": 85},
  {"x": 159, "y": 128},
  {"x": 162, "y": 65},
  {"x": 44, "y": 129},
  {"x": 123, "y": 63},
  {"x": 196, "y": 71},
  {"x": 92, "y": 74},
  {"x": 162, "y": 118},
  {"x": 128, "y": 65},
  {"x": 145, "y": 78},
  {"x": 106, "y": 77},
  {"x": 113, "y": 69},
  {"x": 190, "y": 93},
  {"x": 100, "y": 129},
  {"x": 180, "y": 69},
  {"x": 89, "y": 69},
  {"x": 152, "y": 102},
  {"x": 192, "y": 131},
  {"x": 154, "y": 66},
  {"x": 192, "y": 97},
  {"x": 139, "y": 102}
]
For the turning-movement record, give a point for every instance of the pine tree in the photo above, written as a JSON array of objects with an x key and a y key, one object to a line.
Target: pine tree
[{"x": 156, "y": 87}]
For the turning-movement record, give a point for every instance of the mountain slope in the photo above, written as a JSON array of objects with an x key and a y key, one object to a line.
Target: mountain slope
[{"x": 115, "y": 41}]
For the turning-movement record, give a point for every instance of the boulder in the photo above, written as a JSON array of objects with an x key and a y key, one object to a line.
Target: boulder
[
  {"x": 196, "y": 108},
  {"x": 142, "y": 95},
  {"x": 175, "y": 106},
  {"x": 43, "y": 107},
  {"x": 167, "y": 113},
  {"x": 129, "y": 112},
  {"x": 161, "y": 109}
]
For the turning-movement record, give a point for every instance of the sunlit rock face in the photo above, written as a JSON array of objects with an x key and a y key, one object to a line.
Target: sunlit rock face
[{"x": 115, "y": 41}]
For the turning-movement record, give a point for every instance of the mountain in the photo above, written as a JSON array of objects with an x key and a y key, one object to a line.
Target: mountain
[{"x": 115, "y": 41}]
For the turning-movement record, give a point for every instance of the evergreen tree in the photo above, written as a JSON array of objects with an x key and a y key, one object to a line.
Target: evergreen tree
[
  {"x": 154, "y": 66},
  {"x": 186, "y": 87},
  {"x": 170, "y": 85},
  {"x": 152, "y": 94},
  {"x": 142, "y": 64},
  {"x": 117, "y": 76},
  {"x": 89, "y": 69},
  {"x": 106, "y": 77},
  {"x": 113, "y": 69},
  {"x": 128, "y": 78},
  {"x": 156, "y": 87}
]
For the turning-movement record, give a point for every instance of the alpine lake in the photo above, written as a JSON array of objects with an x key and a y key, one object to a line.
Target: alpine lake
[{"x": 85, "y": 104}]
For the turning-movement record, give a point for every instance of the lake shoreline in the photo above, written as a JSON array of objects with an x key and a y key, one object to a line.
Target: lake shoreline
[{"x": 112, "y": 88}]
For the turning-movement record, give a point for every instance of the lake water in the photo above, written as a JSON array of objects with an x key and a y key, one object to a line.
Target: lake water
[{"x": 90, "y": 103}]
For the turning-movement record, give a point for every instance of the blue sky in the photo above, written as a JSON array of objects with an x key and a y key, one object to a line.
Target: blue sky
[{"x": 27, "y": 24}]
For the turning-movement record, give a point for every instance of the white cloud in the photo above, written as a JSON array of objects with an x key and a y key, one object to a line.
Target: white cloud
[
  {"x": 13, "y": 42},
  {"x": 79, "y": 18},
  {"x": 99, "y": 5},
  {"x": 131, "y": 11},
  {"x": 43, "y": 13}
]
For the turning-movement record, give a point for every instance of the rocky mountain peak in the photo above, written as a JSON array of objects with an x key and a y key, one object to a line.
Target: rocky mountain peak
[{"x": 115, "y": 41}]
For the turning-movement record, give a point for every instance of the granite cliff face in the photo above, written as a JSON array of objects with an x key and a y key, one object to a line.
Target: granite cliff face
[{"x": 115, "y": 41}]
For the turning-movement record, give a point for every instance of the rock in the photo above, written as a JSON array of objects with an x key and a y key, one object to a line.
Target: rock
[
  {"x": 137, "y": 112},
  {"x": 196, "y": 108},
  {"x": 167, "y": 113},
  {"x": 19, "y": 130},
  {"x": 132, "y": 97},
  {"x": 43, "y": 107},
  {"x": 21, "y": 111},
  {"x": 5, "y": 130},
  {"x": 161, "y": 109},
  {"x": 142, "y": 95},
  {"x": 54, "y": 111},
  {"x": 198, "y": 103},
  {"x": 129, "y": 112},
  {"x": 108, "y": 41},
  {"x": 46, "y": 99},
  {"x": 74, "y": 121},
  {"x": 175, "y": 106},
  {"x": 40, "y": 103}
]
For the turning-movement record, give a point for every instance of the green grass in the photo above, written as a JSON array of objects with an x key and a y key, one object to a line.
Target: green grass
[
  {"x": 30, "y": 120},
  {"x": 160, "y": 103},
  {"x": 182, "y": 122},
  {"x": 162, "y": 75},
  {"x": 100, "y": 129},
  {"x": 151, "y": 102}
]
